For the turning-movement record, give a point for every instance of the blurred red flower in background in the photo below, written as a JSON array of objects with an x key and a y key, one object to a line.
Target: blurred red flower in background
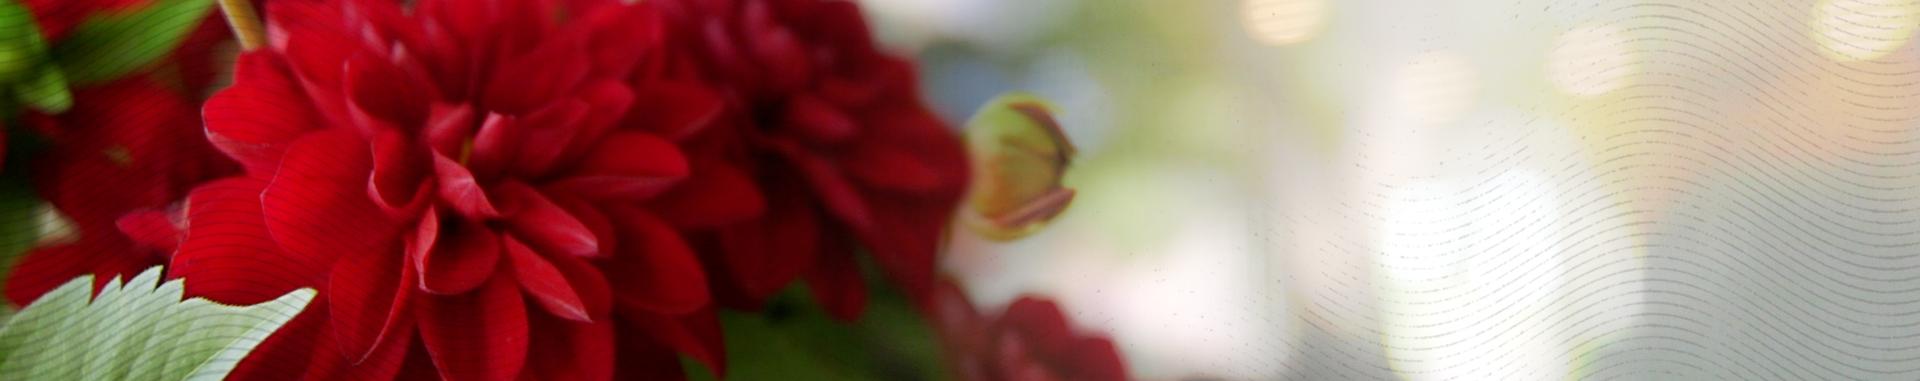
[
  {"x": 1031, "y": 340},
  {"x": 434, "y": 170},
  {"x": 117, "y": 160},
  {"x": 823, "y": 143}
]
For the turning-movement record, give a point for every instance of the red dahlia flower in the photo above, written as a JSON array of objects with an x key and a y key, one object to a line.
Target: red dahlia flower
[
  {"x": 824, "y": 141},
  {"x": 456, "y": 181},
  {"x": 116, "y": 160},
  {"x": 1031, "y": 340}
]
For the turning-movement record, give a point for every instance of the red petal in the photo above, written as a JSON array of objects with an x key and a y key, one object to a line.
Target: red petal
[
  {"x": 619, "y": 30},
  {"x": 819, "y": 122},
  {"x": 589, "y": 214},
  {"x": 905, "y": 241},
  {"x": 228, "y": 253},
  {"x": 462, "y": 259},
  {"x": 724, "y": 51},
  {"x": 656, "y": 270},
  {"x": 317, "y": 60},
  {"x": 545, "y": 135},
  {"x": 914, "y": 131},
  {"x": 385, "y": 360},
  {"x": 317, "y": 204},
  {"x": 159, "y": 229},
  {"x": 462, "y": 19},
  {"x": 46, "y": 268},
  {"x": 459, "y": 189},
  {"x": 544, "y": 282},
  {"x": 369, "y": 292},
  {"x": 627, "y": 166},
  {"x": 522, "y": 83},
  {"x": 1094, "y": 359},
  {"x": 255, "y": 120},
  {"x": 955, "y": 319},
  {"x": 836, "y": 283},
  {"x": 595, "y": 293},
  {"x": 675, "y": 110},
  {"x": 399, "y": 171},
  {"x": 888, "y": 167},
  {"x": 480, "y": 335},
  {"x": 1041, "y": 323},
  {"x": 449, "y": 127},
  {"x": 568, "y": 350},
  {"x": 777, "y": 49},
  {"x": 381, "y": 90},
  {"x": 766, "y": 255},
  {"x": 642, "y": 357},
  {"x": 290, "y": 347},
  {"x": 546, "y": 226},
  {"x": 716, "y": 194},
  {"x": 418, "y": 365},
  {"x": 834, "y": 191},
  {"x": 696, "y": 335},
  {"x": 287, "y": 18},
  {"x": 493, "y": 145},
  {"x": 607, "y": 103}
]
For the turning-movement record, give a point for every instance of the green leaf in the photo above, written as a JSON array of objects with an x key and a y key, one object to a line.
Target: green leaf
[
  {"x": 46, "y": 92},
  {"x": 25, "y": 72},
  {"x": 20, "y": 216},
  {"x": 138, "y": 331},
  {"x": 21, "y": 47},
  {"x": 795, "y": 340},
  {"x": 108, "y": 46}
]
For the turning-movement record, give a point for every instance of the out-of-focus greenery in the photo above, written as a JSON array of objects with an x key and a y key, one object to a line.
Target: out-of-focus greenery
[
  {"x": 27, "y": 72},
  {"x": 109, "y": 46},
  {"x": 19, "y": 224},
  {"x": 793, "y": 339}
]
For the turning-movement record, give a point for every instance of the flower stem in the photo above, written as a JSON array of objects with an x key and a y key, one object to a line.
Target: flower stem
[{"x": 246, "y": 24}]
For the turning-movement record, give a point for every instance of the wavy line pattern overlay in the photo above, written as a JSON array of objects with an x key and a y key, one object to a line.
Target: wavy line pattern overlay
[{"x": 1725, "y": 189}]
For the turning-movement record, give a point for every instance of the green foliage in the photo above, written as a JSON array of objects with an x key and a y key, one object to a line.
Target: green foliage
[
  {"x": 45, "y": 91},
  {"x": 25, "y": 72},
  {"x": 135, "y": 331},
  {"x": 104, "y": 47},
  {"x": 796, "y": 340},
  {"x": 19, "y": 224},
  {"x": 108, "y": 46}
]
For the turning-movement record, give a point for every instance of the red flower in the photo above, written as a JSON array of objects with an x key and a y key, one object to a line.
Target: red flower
[
  {"x": 1031, "y": 340},
  {"x": 116, "y": 161},
  {"x": 454, "y": 173},
  {"x": 824, "y": 143}
]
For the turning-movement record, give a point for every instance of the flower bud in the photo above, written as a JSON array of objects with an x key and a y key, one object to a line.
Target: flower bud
[{"x": 1019, "y": 156}]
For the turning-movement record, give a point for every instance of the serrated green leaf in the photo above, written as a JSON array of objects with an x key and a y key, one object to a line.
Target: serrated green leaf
[
  {"x": 108, "y": 46},
  {"x": 141, "y": 330}
]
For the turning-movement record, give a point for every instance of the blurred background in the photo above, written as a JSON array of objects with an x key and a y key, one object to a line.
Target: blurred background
[{"x": 1494, "y": 189}]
